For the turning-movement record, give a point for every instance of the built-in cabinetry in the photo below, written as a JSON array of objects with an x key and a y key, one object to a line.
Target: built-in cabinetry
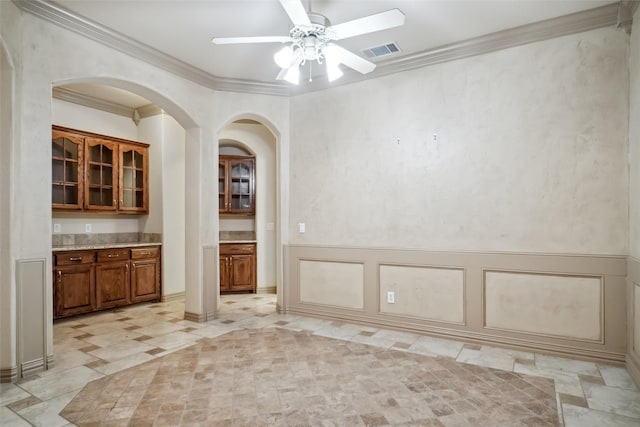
[
  {"x": 237, "y": 267},
  {"x": 98, "y": 173},
  {"x": 90, "y": 280},
  {"x": 236, "y": 185}
]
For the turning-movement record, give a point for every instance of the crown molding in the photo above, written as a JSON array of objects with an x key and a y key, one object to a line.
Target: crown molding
[
  {"x": 75, "y": 97},
  {"x": 591, "y": 19},
  {"x": 56, "y": 14}
]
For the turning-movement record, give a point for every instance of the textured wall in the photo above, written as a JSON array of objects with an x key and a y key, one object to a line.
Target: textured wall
[
  {"x": 634, "y": 139},
  {"x": 529, "y": 153}
]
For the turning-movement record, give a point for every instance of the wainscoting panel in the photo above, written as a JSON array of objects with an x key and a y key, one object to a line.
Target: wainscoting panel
[
  {"x": 432, "y": 293},
  {"x": 572, "y": 305},
  {"x": 633, "y": 318},
  {"x": 31, "y": 280},
  {"x": 338, "y": 284},
  {"x": 544, "y": 304}
]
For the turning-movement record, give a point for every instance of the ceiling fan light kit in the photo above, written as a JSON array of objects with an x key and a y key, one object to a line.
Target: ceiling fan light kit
[{"x": 311, "y": 39}]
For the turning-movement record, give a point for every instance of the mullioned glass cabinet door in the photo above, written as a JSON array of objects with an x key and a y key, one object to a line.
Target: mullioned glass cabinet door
[
  {"x": 133, "y": 179},
  {"x": 67, "y": 169},
  {"x": 101, "y": 174}
]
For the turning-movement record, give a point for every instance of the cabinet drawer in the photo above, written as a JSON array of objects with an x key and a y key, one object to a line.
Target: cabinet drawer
[
  {"x": 237, "y": 248},
  {"x": 72, "y": 258},
  {"x": 140, "y": 253},
  {"x": 113, "y": 255}
]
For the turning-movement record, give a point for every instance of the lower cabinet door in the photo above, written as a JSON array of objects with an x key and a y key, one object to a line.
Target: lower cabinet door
[
  {"x": 74, "y": 290},
  {"x": 242, "y": 272},
  {"x": 145, "y": 280},
  {"x": 112, "y": 284},
  {"x": 225, "y": 280}
]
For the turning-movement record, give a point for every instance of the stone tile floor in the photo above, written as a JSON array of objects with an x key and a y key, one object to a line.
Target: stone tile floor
[{"x": 252, "y": 366}]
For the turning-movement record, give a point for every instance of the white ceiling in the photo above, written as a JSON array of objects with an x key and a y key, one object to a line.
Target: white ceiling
[{"x": 183, "y": 29}]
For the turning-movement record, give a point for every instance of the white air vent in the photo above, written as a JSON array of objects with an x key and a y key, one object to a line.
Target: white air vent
[{"x": 382, "y": 50}]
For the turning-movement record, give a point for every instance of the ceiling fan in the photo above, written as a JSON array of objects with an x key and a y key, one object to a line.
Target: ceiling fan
[{"x": 311, "y": 39}]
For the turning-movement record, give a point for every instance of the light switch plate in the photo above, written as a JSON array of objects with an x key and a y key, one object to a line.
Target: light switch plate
[
  {"x": 87, "y": 228},
  {"x": 301, "y": 227},
  {"x": 57, "y": 228},
  {"x": 391, "y": 297}
]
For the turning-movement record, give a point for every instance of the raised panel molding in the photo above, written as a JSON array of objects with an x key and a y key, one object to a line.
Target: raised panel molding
[
  {"x": 429, "y": 292},
  {"x": 332, "y": 283},
  {"x": 604, "y": 275},
  {"x": 548, "y": 305},
  {"x": 34, "y": 310}
]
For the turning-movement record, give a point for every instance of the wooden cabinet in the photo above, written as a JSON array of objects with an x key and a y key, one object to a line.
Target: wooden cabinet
[
  {"x": 113, "y": 283},
  {"x": 87, "y": 281},
  {"x": 74, "y": 284},
  {"x": 236, "y": 185},
  {"x": 237, "y": 267},
  {"x": 132, "y": 189},
  {"x": 99, "y": 173},
  {"x": 67, "y": 164},
  {"x": 145, "y": 274}
]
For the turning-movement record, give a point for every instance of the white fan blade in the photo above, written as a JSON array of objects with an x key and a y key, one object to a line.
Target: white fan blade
[
  {"x": 295, "y": 62},
  {"x": 296, "y": 12},
  {"x": 354, "y": 61},
  {"x": 368, "y": 24},
  {"x": 263, "y": 39},
  {"x": 282, "y": 73}
]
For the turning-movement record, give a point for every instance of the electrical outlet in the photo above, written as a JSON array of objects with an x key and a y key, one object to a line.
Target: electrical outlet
[
  {"x": 271, "y": 226},
  {"x": 57, "y": 228},
  {"x": 87, "y": 228},
  {"x": 301, "y": 227},
  {"x": 391, "y": 297}
]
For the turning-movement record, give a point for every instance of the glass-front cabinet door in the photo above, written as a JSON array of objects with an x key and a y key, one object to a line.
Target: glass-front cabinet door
[
  {"x": 223, "y": 203},
  {"x": 101, "y": 168},
  {"x": 241, "y": 186},
  {"x": 133, "y": 179},
  {"x": 67, "y": 168},
  {"x": 236, "y": 185}
]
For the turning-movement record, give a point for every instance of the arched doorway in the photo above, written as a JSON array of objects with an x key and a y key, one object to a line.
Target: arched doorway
[{"x": 251, "y": 134}]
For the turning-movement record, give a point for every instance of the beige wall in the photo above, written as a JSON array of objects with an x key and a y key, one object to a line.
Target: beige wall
[
  {"x": 432, "y": 293},
  {"x": 529, "y": 153},
  {"x": 562, "y": 304},
  {"x": 506, "y": 170},
  {"x": 544, "y": 304},
  {"x": 633, "y": 276},
  {"x": 7, "y": 286}
]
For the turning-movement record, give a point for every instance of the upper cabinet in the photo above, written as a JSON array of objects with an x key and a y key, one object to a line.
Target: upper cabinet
[
  {"x": 133, "y": 177},
  {"x": 99, "y": 173},
  {"x": 236, "y": 185},
  {"x": 67, "y": 167}
]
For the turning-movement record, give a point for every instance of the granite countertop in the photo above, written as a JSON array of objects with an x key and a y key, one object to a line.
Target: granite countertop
[
  {"x": 87, "y": 247},
  {"x": 237, "y": 241}
]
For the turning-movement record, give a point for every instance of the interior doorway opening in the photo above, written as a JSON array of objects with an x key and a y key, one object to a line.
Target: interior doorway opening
[{"x": 248, "y": 138}]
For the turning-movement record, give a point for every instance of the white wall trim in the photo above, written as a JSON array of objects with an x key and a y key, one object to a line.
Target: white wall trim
[
  {"x": 591, "y": 19},
  {"x": 58, "y": 15},
  {"x": 79, "y": 98}
]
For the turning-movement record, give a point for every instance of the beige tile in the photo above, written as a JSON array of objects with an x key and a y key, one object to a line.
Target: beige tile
[
  {"x": 614, "y": 400},
  {"x": 121, "y": 350},
  {"x": 615, "y": 376},
  {"x": 575, "y": 416},
  {"x": 60, "y": 382}
]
